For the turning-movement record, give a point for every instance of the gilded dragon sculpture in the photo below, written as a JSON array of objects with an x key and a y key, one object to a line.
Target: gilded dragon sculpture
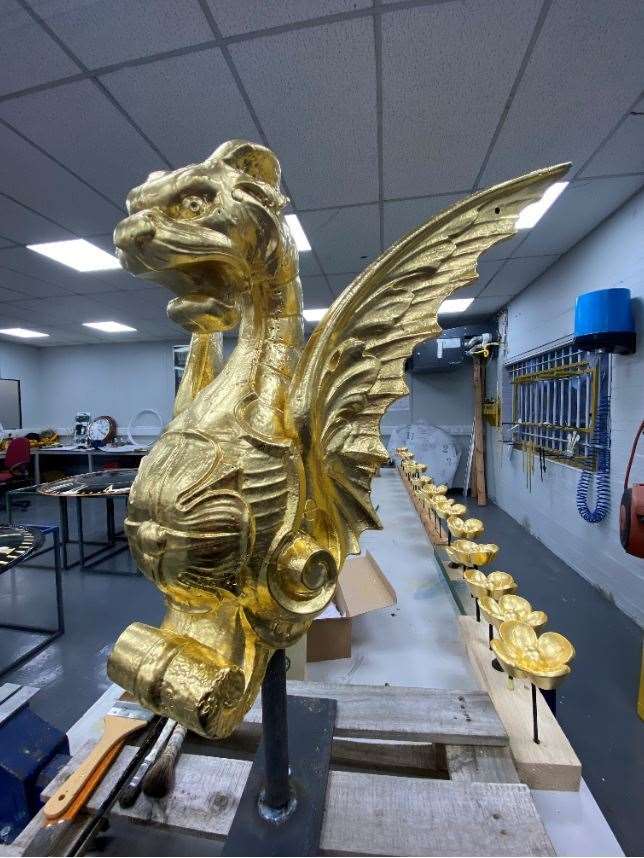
[{"x": 249, "y": 502}]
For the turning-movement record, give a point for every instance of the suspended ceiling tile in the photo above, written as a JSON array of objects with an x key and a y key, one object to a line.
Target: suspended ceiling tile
[
  {"x": 187, "y": 105},
  {"x": 624, "y": 151},
  {"x": 35, "y": 180},
  {"x": 586, "y": 69},
  {"x": 308, "y": 265},
  {"x": 314, "y": 91},
  {"x": 29, "y": 55},
  {"x": 141, "y": 304},
  {"x": 27, "y": 227},
  {"x": 118, "y": 281},
  {"x": 243, "y": 16},
  {"x": 61, "y": 309},
  {"x": 447, "y": 73},
  {"x": 101, "y": 33},
  {"x": 316, "y": 292},
  {"x": 28, "y": 287},
  {"x": 583, "y": 205},
  {"x": 7, "y": 294},
  {"x": 344, "y": 239},
  {"x": 339, "y": 282},
  {"x": 515, "y": 275},
  {"x": 402, "y": 216},
  {"x": 81, "y": 128},
  {"x": 483, "y": 306}
]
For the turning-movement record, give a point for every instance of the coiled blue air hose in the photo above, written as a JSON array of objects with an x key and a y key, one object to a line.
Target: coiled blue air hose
[{"x": 601, "y": 444}]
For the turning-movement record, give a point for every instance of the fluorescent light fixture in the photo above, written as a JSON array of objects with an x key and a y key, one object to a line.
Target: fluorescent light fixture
[
  {"x": 78, "y": 254},
  {"x": 315, "y": 315},
  {"x": 454, "y": 305},
  {"x": 297, "y": 231},
  {"x": 108, "y": 327},
  {"x": 23, "y": 333},
  {"x": 533, "y": 213}
]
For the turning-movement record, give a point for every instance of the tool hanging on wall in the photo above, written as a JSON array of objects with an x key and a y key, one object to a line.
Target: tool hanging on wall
[
  {"x": 528, "y": 463},
  {"x": 600, "y": 446}
]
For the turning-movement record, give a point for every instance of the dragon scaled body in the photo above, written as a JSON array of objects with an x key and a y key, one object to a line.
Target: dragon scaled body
[{"x": 248, "y": 504}]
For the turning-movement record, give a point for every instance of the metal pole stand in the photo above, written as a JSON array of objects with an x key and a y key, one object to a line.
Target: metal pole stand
[{"x": 281, "y": 809}]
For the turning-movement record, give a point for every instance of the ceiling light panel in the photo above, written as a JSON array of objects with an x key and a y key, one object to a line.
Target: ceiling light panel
[
  {"x": 78, "y": 254},
  {"x": 23, "y": 333},
  {"x": 532, "y": 214},
  {"x": 108, "y": 327},
  {"x": 454, "y": 305},
  {"x": 315, "y": 314},
  {"x": 297, "y": 231}
]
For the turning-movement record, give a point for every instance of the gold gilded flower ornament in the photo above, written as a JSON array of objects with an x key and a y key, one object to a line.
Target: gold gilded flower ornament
[
  {"x": 246, "y": 507},
  {"x": 542, "y": 659},
  {"x": 447, "y": 508},
  {"x": 467, "y": 529},
  {"x": 496, "y": 584},
  {"x": 511, "y": 607},
  {"x": 468, "y": 553},
  {"x": 435, "y": 489}
]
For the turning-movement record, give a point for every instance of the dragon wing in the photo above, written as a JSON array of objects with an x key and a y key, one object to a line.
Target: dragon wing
[{"x": 352, "y": 368}]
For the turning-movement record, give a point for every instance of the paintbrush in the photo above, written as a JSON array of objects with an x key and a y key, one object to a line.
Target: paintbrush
[
  {"x": 130, "y": 793},
  {"x": 124, "y": 718},
  {"x": 160, "y": 776}
]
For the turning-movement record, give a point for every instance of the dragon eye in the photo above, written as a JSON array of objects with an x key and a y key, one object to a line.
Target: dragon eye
[{"x": 193, "y": 204}]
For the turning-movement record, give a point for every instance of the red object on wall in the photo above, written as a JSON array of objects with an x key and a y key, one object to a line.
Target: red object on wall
[{"x": 631, "y": 511}]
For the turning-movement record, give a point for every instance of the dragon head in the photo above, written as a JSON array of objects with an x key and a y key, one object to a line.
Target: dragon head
[{"x": 207, "y": 231}]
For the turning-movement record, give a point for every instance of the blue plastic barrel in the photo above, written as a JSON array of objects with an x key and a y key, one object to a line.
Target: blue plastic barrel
[{"x": 604, "y": 320}]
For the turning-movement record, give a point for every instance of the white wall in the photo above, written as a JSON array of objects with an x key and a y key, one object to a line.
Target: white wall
[
  {"x": 446, "y": 399},
  {"x": 23, "y": 362},
  {"x": 612, "y": 255},
  {"x": 117, "y": 379}
]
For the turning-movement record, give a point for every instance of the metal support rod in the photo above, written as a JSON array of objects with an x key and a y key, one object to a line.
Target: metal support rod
[
  {"x": 275, "y": 732},
  {"x": 535, "y": 725},
  {"x": 478, "y": 610}
]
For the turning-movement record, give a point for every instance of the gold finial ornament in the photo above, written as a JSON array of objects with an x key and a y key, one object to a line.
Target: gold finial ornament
[
  {"x": 511, "y": 607},
  {"x": 496, "y": 584},
  {"x": 248, "y": 504},
  {"x": 468, "y": 553},
  {"x": 542, "y": 659},
  {"x": 468, "y": 529}
]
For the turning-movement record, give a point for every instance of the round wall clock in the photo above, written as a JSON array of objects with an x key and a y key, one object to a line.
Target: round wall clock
[{"x": 102, "y": 430}]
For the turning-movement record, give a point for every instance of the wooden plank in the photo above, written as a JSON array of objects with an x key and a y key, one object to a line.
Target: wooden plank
[
  {"x": 366, "y": 814},
  {"x": 480, "y": 764},
  {"x": 380, "y": 754},
  {"x": 17, "y": 700},
  {"x": 479, "y": 432},
  {"x": 552, "y": 764},
  {"x": 406, "y": 714}
]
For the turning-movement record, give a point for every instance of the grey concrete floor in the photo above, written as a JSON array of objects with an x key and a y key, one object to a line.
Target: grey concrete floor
[{"x": 596, "y": 706}]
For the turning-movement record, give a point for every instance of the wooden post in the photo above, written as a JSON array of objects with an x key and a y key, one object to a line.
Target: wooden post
[{"x": 479, "y": 433}]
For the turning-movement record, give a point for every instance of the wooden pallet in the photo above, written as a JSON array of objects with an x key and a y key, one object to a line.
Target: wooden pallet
[
  {"x": 552, "y": 764},
  {"x": 414, "y": 772}
]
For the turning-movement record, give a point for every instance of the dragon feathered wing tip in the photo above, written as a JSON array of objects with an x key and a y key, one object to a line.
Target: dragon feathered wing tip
[{"x": 352, "y": 369}]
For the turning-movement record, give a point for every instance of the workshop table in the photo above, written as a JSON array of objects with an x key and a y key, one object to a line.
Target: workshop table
[
  {"x": 18, "y": 544},
  {"x": 106, "y": 485}
]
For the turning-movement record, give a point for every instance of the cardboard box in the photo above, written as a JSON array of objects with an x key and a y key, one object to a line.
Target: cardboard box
[{"x": 362, "y": 587}]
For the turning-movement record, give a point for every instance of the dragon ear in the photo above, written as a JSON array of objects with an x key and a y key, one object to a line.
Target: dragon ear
[{"x": 250, "y": 158}]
